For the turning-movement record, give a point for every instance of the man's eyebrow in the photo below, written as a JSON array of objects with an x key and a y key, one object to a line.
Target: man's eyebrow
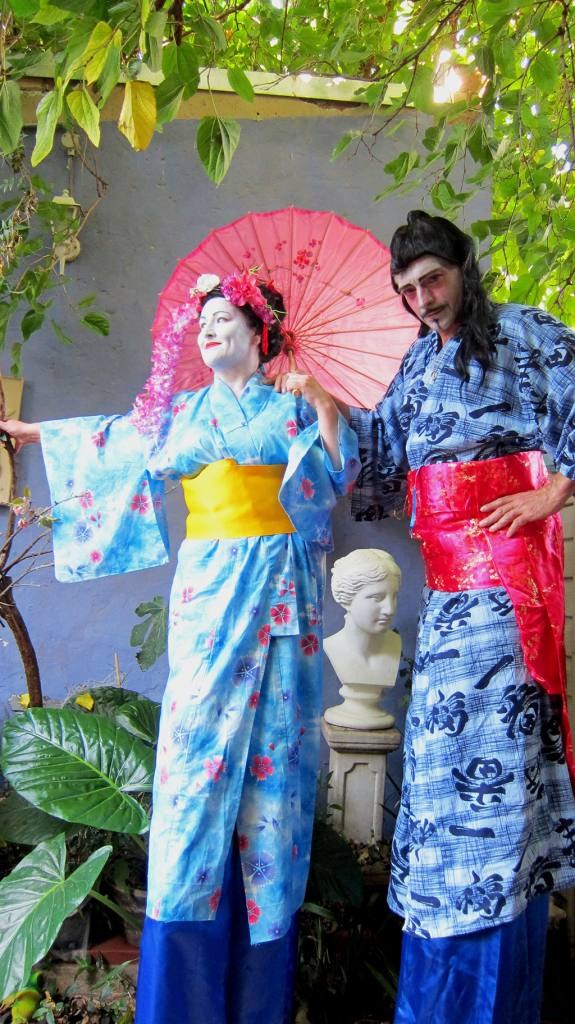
[{"x": 428, "y": 273}]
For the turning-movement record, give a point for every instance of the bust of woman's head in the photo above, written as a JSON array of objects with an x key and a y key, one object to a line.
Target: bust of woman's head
[{"x": 366, "y": 583}]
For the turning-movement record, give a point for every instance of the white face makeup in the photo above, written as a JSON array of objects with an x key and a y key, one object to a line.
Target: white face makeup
[
  {"x": 433, "y": 289},
  {"x": 373, "y": 607},
  {"x": 228, "y": 344}
]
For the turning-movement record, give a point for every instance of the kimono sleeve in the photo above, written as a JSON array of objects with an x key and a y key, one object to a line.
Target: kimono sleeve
[
  {"x": 381, "y": 485},
  {"x": 547, "y": 381},
  {"x": 108, "y": 511},
  {"x": 311, "y": 485}
]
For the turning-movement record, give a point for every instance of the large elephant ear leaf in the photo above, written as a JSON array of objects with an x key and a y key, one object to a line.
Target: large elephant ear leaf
[
  {"x": 105, "y": 700},
  {"x": 142, "y": 718},
  {"x": 81, "y": 768},
  {"x": 35, "y": 898},
  {"x": 21, "y": 822}
]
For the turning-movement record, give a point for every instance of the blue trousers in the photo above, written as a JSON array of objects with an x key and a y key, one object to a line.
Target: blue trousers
[
  {"x": 493, "y": 976},
  {"x": 206, "y": 972}
]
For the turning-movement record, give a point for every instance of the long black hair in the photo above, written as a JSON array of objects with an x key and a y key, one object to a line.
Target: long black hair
[
  {"x": 275, "y": 301},
  {"x": 424, "y": 235}
]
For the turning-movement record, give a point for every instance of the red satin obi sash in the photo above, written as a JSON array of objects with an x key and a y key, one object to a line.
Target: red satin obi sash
[{"x": 445, "y": 500}]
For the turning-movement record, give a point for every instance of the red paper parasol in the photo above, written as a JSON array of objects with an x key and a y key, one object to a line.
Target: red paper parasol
[{"x": 344, "y": 323}]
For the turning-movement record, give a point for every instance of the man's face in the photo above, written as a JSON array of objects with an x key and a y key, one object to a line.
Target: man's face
[{"x": 433, "y": 289}]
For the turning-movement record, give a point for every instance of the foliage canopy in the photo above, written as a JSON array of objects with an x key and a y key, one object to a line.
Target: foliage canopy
[{"x": 494, "y": 79}]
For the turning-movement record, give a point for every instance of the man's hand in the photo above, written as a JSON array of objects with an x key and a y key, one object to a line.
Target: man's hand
[{"x": 513, "y": 511}]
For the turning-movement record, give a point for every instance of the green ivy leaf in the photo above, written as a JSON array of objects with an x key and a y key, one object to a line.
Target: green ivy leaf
[
  {"x": 97, "y": 322},
  {"x": 85, "y": 113},
  {"x": 544, "y": 71},
  {"x": 217, "y": 140},
  {"x": 169, "y": 95},
  {"x": 48, "y": 113},
  {"x": 241, "y": 84},
  {"x": 182, "y": 62},
  {"x": 402, "y": 165},
  {"x": 346, "y": 139},
  {"x": 31, "y": 322},
  {"x": 60, "y": 334},
  {"x": 10, "y": 116}
]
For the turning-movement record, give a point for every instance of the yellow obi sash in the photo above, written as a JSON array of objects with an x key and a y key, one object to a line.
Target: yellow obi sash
[{"x": 228, "y": 500}]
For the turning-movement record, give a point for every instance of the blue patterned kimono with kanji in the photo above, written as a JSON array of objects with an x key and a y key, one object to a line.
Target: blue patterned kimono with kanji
[
  {"x": 487, "y": 817},
  {"x": 239, "y": 738}
]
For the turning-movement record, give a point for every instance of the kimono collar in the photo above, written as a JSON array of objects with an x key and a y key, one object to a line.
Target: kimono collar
[{"x": 234, "y": 412}]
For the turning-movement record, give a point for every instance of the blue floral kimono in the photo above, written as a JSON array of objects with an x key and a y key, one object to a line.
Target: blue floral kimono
[
  {"x": 238, "y": 744},
  {"x": 487, "y": 818}
]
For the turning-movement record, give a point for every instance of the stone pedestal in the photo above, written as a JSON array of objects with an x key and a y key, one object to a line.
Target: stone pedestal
[{"x": 358, "y": 764}]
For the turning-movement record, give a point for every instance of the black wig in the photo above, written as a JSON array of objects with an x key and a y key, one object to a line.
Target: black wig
[{"x": 435, "y": 236}]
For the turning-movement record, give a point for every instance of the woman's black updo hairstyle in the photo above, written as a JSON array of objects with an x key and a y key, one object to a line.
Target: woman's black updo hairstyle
[
  {"x": 436, "y": 236},
  {"x": 276, "y": 303}
]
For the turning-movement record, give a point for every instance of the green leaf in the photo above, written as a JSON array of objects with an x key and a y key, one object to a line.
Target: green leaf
[
  {"x": 10, "y": 116},
  {"x": 544, "y": 71},
  {"x": 85, "y": 113},
  {"x": 31, "y": 322},
  {"x": 94, "y": 56},
  {"x": 151, "y": 635},
  {"x": 21, "y": 822},
  {"x": 35, "y": 899},
  {"x": 211, "y": 30},
  {"x": 49, "y": 14},
  {"x": 217, "y": 140},
  {"x": 485, "y": 60},
  {"x": 110, "y": 73},
  {"x": 443, "y": 194},
  {"x": 421, "y": 94},
  {"x": 24, "y": 8},
  {"x": 107, "y": 700},
  {"x": 402, "y": 165},
  {"x": 97, "y": 322},
  {"x": 142, "y": 718},
  {"x": 169, "y": 95},
  {"x": 48, "y": 113},
  {"x": 181, "y": 62},
  {"x": 241, "y": 84},
  {"x": 60, "y": 334},
  {"x": 79, "y": 767},
  {"x": 88, "y": 300},
  {"x": 434, "y": 135},
  {"x": 346, "y": 139}
]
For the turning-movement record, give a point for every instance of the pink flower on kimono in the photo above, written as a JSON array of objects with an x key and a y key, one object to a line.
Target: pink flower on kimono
[
  {"x": 254, "y": 911},
  {"x": 309, "y": 644},
  {"x": 214, "y": 423},
  {"x": 215, "y": 768},
  {"x": 95, "y": 557},
  {"x": 99, "y": 439},
  {"x": 215, "y": 900},
  {"x": 261, "y": 767},
  {"x": 307, "y": 488},
  {"x": 291, "y": 428},
  {"x": 164, "y": 776},
  {"x": 140, "y": 503},
  {"x": 253, "y": 700},
  {"x": 264, "y": 635},
  {"x": 178, "y": 408},
  {"x": 86, "y": 499},
  {"x": 187, "y": 594},
  {"x": 286, "y": 587},
  {"x": 281, "y": 613},
  {"x": 243, "y": 842}
]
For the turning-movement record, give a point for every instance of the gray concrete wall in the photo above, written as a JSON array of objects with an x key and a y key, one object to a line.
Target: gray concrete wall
[{"x": 159, "y": 206}]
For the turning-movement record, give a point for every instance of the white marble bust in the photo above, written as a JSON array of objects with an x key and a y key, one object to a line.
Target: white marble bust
[{"x": 365, "y": 654}]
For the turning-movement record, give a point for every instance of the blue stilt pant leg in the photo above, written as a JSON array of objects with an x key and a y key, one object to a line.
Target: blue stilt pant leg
[
  {"x": 493, "y": 976},
  {"x": 206, "y": 972}
]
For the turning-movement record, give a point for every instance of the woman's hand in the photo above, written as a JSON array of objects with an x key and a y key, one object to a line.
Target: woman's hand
[
  {"x": 513, "y": 511},
  {"x": 20, "y": 432},
  {"x": 299, "y": 383}
]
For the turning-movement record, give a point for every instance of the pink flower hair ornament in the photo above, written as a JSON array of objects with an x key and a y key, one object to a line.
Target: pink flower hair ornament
[{"x": 241, "y": 289}]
